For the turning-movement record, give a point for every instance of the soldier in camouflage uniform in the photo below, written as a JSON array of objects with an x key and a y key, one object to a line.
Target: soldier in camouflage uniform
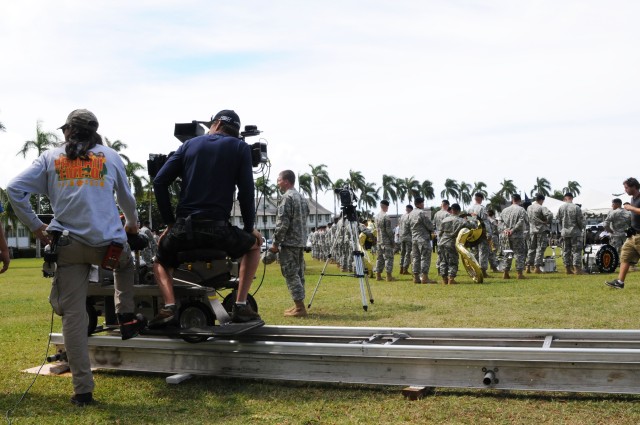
[
  {"x": 478, "y": 211},
  {"x": 540, "y": 219},
  {"x": 617, "y": 222},
  {"x": 289, "y": 239},
  {"x": 571, "y": 227},
  {"x": 149, "y": 252},
  {"x": 385, "y": 244},
  {"x": 494, "y": 242},
  {"x": 440, "y": 215},
  {"x": 405, "y": 240},
  {"x": 449, "y": 258},
  {"x": 421, "y": 229},
  {"x": 515, "y": 222}
]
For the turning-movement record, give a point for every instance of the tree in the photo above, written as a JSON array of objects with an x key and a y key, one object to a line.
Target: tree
[
  {"x": 426, "y": 188},
  {"x": 450, "y": 189},
  {"x": 264, "y": 190},
  {"x": 369, "y": 196},
  {"x": 480, "y": 187},
  {"x": 412, "y": 187},
  {"x": 542, "y": 186},
  {"x": 496, "y": 201},
  {"x": 118, "y": 146},
  {"x": 508, "y": 188},
  {"x": 43, "y": 141},
  {"x": 356, "y": 180},
  {"x": 401, "y": 190},
  {"x": 389, "y": 189},
  {"x": 336, "y": 187},
  {"x": 304, "y": 184},
  {"x": 9, "y": 216},
  {"x": 135, "y": 181},
  {"x": 573, "y": 187},
  {"x": 464, "y": 190},
  {"x": 320, "y": 179}
]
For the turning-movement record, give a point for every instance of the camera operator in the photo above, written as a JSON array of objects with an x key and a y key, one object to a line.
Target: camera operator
[
  {"x": 80, "y": 178},
  {"x": 210, "y": 167},
  {"x": 289, "y": 239},
  {"x": 630, "y": 252}
]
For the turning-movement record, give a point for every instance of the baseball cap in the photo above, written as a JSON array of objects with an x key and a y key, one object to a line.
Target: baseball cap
[
  {"x": 229, "y": 117},
  {"x": 82, "y": 118}
]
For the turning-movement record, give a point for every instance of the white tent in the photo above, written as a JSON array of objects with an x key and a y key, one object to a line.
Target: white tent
[{"x": 596, "y": 203}]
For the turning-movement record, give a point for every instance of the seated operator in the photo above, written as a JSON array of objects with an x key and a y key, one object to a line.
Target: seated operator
[{"x": 210, "y": 167}]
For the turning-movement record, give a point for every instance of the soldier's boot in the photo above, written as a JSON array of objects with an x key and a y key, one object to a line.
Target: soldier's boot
[
  {"x": 538, "y": 270},
  {"x": 505, "y": 275},
  {"x": 452, "y": 280},
  {"x": 298, "y": 311},
  {"x": 445, "y": 280},
  {"x": 569, "y": 269},
  {"x": 390, "y": 278},
  {"x": 290, "y": 309},
  {"x": 520, "y": 275},
  {"x": 578, "y": 270},
  {"x": 401, "y": 270},
  {"x": 484, "y": 273},
  {"x": 494, "y": 269},
  {"x": 378, "y": 276},
  {"x": 424, "y": 278},
  {"x": 416, "y": 278},
  {"x": 528, "y": 269}
]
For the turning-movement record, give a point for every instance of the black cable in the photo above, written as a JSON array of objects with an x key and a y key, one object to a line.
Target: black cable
[{"x": 10, "y": 411}]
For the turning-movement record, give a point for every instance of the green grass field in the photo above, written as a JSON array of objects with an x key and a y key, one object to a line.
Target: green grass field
[{"x": 544, "y": 301}]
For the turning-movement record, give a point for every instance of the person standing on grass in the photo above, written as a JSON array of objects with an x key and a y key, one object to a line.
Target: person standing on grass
[
  {"x": 289, "y": 239},
  {"x": 4, "y": 248},
  {"x": 630, "y": 252}
]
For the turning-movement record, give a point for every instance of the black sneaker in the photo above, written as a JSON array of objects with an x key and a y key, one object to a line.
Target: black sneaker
[
  {"x": 164, "y": 317},
  {"x": 243, "y": 313},
  {"x": 131, "y": 325},
  {"x": 615, "y": 283},
  {"x": 83, "y": 399}
]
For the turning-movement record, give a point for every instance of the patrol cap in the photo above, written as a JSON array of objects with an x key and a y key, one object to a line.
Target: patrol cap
[
  {"x": 384, "y": 202},
  {"x": 229, "y": 117},
  {"x": 82, "y": 118},
  {"x": 419, "y": 200}
]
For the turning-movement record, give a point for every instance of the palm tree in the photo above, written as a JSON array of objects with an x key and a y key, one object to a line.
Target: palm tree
[
  {"x": 336, "y": 187},
  {"x": 320, "y": 179},
  {"x": 43, "y": 141},
  {"x": 464, "y": 190},
  {"x": 389, "y": 189},
  {"x": 369, "y": 196},
  {"x": 496, "y": 201},
  {"x": 401, "y": 190},
  {"x": 508, "y": 188},
  {"x": 412, "y": 188},
  {"x": 356, "y": 181},
  {"x": 264, "y": 190},
  {"x": 118, "y": 146},
  {"x": 304, "y": 184},
  {"x": 2, "y": 127},
  {"x": 573, "y": 187},
  {"x": 451, "y": 189},
  {"x": 9, "y": 214},
  {"x": 135, "y": 181},
  {"x": 542, "y": 186},
  {"x": 426, "y": 188},
  {"x": 480, "y": 187}
]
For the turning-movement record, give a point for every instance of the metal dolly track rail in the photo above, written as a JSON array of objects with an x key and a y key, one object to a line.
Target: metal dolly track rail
[{"x": 604, "y": 361}]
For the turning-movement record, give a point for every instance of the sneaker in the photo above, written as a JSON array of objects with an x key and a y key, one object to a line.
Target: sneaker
[
  {"x": 616, "y": 283},
  {"x": 131, "y": 325},
  {"x": 83, "y": 399},
  {"x": 243, "y": 313},
  {"x": 164, "y": 317}
]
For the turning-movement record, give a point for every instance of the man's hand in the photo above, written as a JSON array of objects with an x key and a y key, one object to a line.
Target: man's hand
[
  {"x": 4, "y": 257},
  {"x": 258, "y": 236},
  {"x": 42, "y": 234},
  {"x": 132, "y": 229}
]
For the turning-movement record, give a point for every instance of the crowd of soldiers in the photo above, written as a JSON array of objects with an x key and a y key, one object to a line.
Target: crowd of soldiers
[{"x": 521, "y": 232}]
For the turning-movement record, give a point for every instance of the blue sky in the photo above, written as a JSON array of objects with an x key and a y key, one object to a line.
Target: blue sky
[{"x": 469, "y": 90}]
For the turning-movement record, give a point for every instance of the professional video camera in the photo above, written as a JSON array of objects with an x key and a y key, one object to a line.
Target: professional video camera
[
  {"x": 348, "y": 201},
  {"x": 186, "y": 131}
]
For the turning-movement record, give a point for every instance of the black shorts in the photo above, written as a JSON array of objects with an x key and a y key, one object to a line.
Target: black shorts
[{"x": 231, "y": 239}]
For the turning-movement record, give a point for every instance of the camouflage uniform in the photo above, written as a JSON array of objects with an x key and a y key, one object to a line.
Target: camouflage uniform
[
  {"x": 483, "y": 245},
  {"x": 421, "y": 228},
  {"x": 290, "y": 235},
  {"x": 405, "y": 241},
  {"x": 539, "y": 221},
  {"x": 571, "y": 227},
  {"x": 449, "y": 258},
  {"x": 515, "y": 219},
  {"x": 617, "y": 223},
  {"x": 437, "y": 222},
  {"x": 385, "y": 243},
  {"x": 150, "y": 251}
]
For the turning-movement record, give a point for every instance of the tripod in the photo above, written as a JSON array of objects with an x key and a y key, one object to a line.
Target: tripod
[{"x": 349, "y": 219}]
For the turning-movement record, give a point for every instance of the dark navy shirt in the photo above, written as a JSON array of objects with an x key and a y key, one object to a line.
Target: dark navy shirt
[
  {"x": 210, "y": 167},
  {"x": 635, "y": 218}
]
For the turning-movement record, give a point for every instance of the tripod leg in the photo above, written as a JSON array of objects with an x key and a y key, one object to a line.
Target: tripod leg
[{"x": 319, "y": 280}]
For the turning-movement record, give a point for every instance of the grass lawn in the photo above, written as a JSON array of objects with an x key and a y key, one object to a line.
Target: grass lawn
[{"x": 553, "y": 300}]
